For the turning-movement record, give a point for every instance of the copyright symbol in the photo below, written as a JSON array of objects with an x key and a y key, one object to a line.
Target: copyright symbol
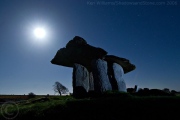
[{"x": 9, "y": 110}]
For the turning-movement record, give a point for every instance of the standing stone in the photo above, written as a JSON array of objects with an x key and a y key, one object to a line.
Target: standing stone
[
  {"x": 118, "y": 76},
  {"x": 111, "y": 76},
  {"x": 91, "y": 82},
  {"x": 80, "y": 80},
  {"x": 136, "y": 88},
  {"x": 101, "y": 80}
]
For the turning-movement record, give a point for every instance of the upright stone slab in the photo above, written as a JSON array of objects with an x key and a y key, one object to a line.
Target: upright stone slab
[
  {"x": 101, "y": 80},
  {"x": 118, "y": 76},
  {"x": 111, "y": 76},
  {"x": 136, "y": 88},
  {"x": 80, "y": 80},
  {"x": 91, "y": 82}
]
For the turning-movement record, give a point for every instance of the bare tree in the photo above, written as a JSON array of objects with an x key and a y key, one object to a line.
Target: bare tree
[{"x": 59, "y": 88}]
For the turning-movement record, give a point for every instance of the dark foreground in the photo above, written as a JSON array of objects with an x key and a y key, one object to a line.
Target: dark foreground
[{"x": 110, "y": 107}]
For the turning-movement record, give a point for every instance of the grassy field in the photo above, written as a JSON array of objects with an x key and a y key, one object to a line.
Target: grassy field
[{"x": 109, "y": 106}]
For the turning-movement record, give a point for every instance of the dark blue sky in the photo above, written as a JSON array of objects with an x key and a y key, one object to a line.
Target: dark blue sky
[{"x": 148, "y": 34}]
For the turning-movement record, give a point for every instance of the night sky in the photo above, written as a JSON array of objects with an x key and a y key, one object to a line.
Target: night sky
[{"x": 147, "y": 33}]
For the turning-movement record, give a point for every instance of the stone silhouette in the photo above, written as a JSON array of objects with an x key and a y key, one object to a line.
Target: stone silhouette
[
  {"x": 81, "y": 80},
  {"x": 78, "y": 51},
  {"x": 93, "y": 69}
]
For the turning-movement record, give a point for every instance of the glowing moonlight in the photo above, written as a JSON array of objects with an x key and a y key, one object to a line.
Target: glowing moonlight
[{"x": 40, "y": 33}]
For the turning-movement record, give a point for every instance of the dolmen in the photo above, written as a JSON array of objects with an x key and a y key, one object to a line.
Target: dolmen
[{"x": 93, "y": 70}]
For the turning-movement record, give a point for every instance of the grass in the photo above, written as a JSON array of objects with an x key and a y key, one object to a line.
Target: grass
[{"x": 111, "y": 106}]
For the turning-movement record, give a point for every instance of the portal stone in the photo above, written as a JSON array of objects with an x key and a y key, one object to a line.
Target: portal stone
[
  {"x": 91, "y": 82},
  {"x": 80, "y": 80},
  {"x": 118, "y": 76},
  {"x": 101, "y": 80}
]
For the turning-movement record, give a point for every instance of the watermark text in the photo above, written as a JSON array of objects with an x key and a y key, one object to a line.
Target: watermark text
[{"x": 142, "y": 3}]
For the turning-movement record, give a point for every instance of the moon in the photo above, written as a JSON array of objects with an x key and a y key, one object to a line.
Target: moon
[{"x": 40, "y": 33}]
